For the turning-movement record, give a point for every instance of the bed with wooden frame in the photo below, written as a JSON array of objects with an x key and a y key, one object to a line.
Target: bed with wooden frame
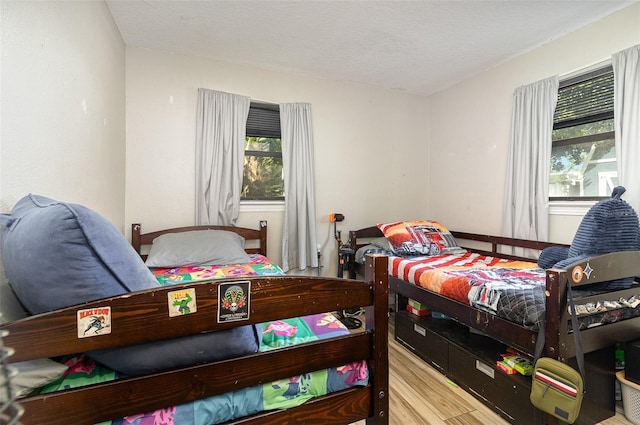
[
  {"x": 559, "y": 341},
  {"x": 55, "y": 334}
]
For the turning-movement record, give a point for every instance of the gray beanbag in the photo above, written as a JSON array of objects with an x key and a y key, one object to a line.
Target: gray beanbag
[{"x": 57, "y": 254}]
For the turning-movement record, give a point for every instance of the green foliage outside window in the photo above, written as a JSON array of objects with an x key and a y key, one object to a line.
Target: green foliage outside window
[
  {"x": 263, "y": 179},
  {"x": 586, "y": 168}
]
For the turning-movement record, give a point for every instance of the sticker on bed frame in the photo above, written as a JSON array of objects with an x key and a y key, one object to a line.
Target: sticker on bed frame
[
  {"x": 94, "y": 322},
  {"x": 578, "y": 273},
  {"x": 233, "y": 301},
  {"x": 182, "y": 302}
]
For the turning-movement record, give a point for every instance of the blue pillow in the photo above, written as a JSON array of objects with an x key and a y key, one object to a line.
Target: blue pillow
[
  {"x": 185, "y": 351},
  {"x": 57, "y": 254}
]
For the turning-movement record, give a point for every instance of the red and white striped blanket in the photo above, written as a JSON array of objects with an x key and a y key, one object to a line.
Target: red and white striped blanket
[{"x": 510, "y": 289}]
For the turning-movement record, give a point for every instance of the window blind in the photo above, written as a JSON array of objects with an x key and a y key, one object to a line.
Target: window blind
[
  {"x": 585, "y": 99},
  {"x": 263, "y": 120}
]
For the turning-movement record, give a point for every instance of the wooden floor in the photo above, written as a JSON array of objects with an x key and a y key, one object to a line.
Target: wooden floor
[{"x": 420, "y": 395}]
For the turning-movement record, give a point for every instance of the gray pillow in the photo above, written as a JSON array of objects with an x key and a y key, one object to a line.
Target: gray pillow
[
  {"x": 32, "y": 375},
  {"x": 383, "y": 243},
  {"x": 197, "y": 248},
  {"x": 370, "y": 249},
  {"x": 57, "y": 254}
]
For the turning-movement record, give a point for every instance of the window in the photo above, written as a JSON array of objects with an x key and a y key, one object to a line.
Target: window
[
  {"x": 583, "y": 155},
  {"x": 263, "y": 179}
]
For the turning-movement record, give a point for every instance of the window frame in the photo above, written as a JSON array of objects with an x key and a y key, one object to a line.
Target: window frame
[{"x": 594, "y": 73}]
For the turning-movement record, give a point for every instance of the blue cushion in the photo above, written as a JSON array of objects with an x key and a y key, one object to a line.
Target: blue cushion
[
  {"x": 57, "y": 254},
  {"x": 610, "y": 225},
  {"x": 552, "y": 255},
  {"x": 181, "y": 352}
]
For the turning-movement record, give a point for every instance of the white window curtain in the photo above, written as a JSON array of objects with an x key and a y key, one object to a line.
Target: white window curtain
[
  {"x": 299, "y": 242},
  {"x": 526, "y": 206},
  {"x": 221, "y": 126},
  {"x": 626, "y": 86}
]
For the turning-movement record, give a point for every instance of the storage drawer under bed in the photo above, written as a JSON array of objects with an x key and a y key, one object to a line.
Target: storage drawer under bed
[
  {"x": 508, "y": 394},
  {"x": 428, "y": 345},
  {"x": 469, "y": 359}
]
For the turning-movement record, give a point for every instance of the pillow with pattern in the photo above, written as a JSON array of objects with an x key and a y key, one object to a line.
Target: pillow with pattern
[{"x": 412, "y": 238}]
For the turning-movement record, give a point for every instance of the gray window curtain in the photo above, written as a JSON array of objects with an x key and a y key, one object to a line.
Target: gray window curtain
[
  {"x": 299, "y": 242},
  {"x": 526, "y": 205},
  {"x": 626, "y": 86},
  {"x": 221, "y": 126}
]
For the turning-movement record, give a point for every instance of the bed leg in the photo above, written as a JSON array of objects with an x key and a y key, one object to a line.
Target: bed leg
[{"x": 376, "y": 274}]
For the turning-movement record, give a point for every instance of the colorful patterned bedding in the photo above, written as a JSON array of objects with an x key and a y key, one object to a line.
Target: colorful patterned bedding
[
  {"x": 258, "y": 265},
  {"x": 513, "y": 290},
  {"x": 280, "y": 394}
]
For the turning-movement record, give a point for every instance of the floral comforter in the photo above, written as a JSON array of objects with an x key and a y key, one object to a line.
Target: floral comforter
[{"x": 259, "y": 265}]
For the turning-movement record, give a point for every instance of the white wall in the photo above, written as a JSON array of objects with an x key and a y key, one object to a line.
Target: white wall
[
  {"x": 62, "y": 109},
  {"x": 370, "y": 145},
  {"x": 63, "y": 105},
  {"x": 470, "y": 125}
]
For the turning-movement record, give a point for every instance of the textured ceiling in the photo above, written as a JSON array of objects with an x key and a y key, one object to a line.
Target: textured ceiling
[{"x": 419, "y": 47}]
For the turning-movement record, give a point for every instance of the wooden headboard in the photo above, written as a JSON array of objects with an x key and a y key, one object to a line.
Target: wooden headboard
[
  {"x": 256, "y": 239},
  {"x": 361, "y": 237}
]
